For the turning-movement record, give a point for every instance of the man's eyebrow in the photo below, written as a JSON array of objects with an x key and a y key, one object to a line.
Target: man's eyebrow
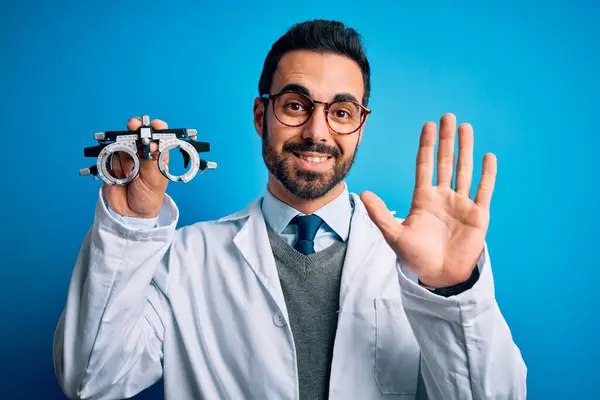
[
  {"x": 295, "y": 87},
  {"x": 345, "y": 97}
]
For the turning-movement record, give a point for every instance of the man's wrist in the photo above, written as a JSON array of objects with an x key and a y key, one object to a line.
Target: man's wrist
[{"x": 454, "y": 289}]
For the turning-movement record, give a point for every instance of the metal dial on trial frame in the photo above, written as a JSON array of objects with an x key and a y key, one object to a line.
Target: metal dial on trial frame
[
  {"x": 164, "y": 145},
  {"x": 106, "y": 156}
]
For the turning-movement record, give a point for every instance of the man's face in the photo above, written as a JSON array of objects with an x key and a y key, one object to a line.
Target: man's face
[{"x": 311, "y": 159}]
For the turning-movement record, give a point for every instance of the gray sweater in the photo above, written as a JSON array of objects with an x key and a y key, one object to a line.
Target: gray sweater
[{"x": 311, "y": 287}]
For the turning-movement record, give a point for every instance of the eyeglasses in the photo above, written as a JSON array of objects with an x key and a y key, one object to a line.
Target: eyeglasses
[{"x": 295, "y": 109}]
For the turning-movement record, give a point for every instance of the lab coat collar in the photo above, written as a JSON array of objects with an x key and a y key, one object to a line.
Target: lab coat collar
[
  {"x": 253, "y": 243},
  {"x": 363, "y": 236}
]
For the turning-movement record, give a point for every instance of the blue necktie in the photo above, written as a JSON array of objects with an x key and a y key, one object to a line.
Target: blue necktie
[{"x": 308, "y": 225}]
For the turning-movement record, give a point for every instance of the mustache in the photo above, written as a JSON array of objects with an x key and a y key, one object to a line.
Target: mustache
[{"x": 312, "y": 147}]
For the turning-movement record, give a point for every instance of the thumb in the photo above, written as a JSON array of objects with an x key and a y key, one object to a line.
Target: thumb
[
  {"x": 151, "y": 166},
  {"x": 381, "y": 216}
]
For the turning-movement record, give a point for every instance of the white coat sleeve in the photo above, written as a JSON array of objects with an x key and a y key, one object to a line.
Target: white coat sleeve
[
  {"x": 467, "y": 349},
  {"x": 108, "y": 341}
]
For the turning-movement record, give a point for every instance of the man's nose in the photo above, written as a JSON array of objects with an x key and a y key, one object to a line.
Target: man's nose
[{"x": 316, "y": 127}]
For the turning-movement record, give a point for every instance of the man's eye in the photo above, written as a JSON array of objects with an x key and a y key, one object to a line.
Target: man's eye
[{"x": 295, "y": 107}]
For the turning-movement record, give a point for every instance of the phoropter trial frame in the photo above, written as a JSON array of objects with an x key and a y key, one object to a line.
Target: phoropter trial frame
[{"x": 128, "y": 142}]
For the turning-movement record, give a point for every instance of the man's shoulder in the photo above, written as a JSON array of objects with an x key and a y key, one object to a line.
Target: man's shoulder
[{"x": 233, "y": 220}]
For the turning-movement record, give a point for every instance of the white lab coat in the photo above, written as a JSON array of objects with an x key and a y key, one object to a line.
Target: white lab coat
[{"x": 202, "y": 306}]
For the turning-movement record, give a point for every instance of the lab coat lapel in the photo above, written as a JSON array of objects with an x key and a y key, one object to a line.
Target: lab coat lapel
[
  {"x": 364, "y": 234},
  {"x": 253, "y": 243}
]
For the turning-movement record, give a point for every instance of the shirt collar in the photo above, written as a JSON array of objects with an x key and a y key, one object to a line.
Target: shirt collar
[{"x": 336, "y": 214}]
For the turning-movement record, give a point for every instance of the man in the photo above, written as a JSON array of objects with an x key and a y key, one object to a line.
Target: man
[{"x": 311, "y": 292}]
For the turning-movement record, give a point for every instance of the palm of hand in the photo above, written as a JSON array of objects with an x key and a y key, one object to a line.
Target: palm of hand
[
  {"x": 443, "y": 235},
  {"x": 139, "y": 199},
  {"x": 443, "y": 231},
  {"x": 143, "y": 196}
]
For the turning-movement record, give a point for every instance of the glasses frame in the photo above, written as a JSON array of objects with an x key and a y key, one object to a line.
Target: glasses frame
[{"x": 273, "y": 98}]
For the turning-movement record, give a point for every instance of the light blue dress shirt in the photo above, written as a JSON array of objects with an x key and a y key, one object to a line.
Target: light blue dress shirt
[{"x": 336, "y": 216}]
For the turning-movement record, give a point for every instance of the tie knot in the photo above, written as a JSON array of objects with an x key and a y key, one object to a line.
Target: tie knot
[{"x": 308, "y": 225}]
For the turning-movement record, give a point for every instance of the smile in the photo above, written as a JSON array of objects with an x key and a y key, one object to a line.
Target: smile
[{"x": 313, "y": 158}]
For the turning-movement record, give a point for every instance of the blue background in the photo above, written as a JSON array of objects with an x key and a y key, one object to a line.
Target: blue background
[{"x": 525, "y": 76}]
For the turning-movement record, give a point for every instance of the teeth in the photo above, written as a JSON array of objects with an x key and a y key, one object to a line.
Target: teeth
[{"x": 314, "y": 159}]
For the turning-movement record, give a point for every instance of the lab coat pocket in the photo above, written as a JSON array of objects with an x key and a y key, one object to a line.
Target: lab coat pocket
[{"x": 396, "y": 350}]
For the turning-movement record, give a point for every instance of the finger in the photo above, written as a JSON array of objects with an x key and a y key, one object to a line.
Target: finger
[
  {"x": 121, "y": 164},
  {"x": 155, "y": 124},
  {"x": 134, "y": 123},
  {"x": 154, "y": 150},
  {"x": 115, "y": 166},
  {"x": 446, "y": 150},
  {"x": 488, "y": 181},
  {"x": 425, "y": 156},
  {"x": 464, "y": 169},
  {"x": 159, "y": 124},
  {"x": 381, "y": 216},
  {"x": 126, "y": 163}
]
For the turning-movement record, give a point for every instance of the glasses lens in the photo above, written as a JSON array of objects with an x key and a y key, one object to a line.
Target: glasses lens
[
  {"x": 293, "y": 109},
  {"x": 344, "y": 116}
]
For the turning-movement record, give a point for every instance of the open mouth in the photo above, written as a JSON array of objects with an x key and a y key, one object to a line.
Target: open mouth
[{"x": 313, "y": 158}]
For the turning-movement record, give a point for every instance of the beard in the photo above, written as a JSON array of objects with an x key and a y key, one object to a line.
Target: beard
[{"x": 305, "y": 184}]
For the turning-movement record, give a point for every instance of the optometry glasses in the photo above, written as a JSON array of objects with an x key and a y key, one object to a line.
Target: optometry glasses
[{"x": 295, "y": 109}]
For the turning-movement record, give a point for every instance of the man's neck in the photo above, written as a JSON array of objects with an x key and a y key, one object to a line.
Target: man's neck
[{"x": 305, "y": 206}]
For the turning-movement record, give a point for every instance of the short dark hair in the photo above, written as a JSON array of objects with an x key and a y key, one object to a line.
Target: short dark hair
[{"x": 321, "y": 36}]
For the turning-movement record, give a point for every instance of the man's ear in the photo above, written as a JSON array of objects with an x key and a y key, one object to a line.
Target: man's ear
[{"x": 259, "y": 115}]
